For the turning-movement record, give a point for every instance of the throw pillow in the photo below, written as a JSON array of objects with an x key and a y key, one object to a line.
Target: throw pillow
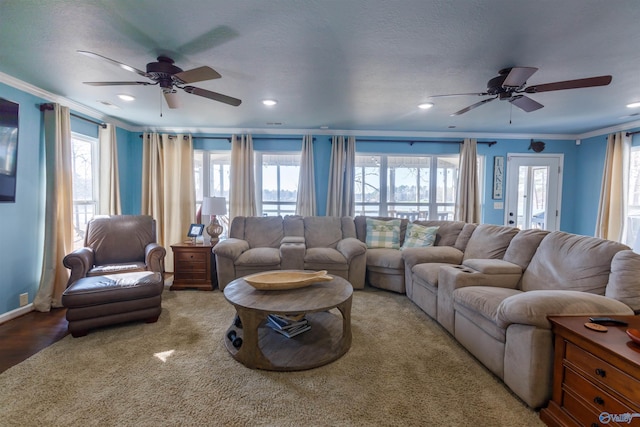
[
  {"x": 383, "y": 234},
  {"x": 419, "y": 236}
]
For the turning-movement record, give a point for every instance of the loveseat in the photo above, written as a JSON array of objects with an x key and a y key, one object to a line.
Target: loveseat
[{"x": 258, "y": 244}]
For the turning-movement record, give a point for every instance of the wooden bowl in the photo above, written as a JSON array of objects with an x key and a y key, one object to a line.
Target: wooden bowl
[
  {"x": 634, "y": 334},
  {"x": 286, "y": 279}
]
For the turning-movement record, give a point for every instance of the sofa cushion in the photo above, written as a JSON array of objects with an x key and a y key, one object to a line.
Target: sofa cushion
[
  {"x": 523, "y": 246},
  {"x": 489, "y": 241},
  {"x": 624, "y": 280},
  {"x": 533, "y": 307},
  {"x": 428, "y": 272},
  {"x": 480, "y": 304},
  {"x": 566, "y": 261},
  {"x": 360, "y": 225},
  {"x": 385, "y": 258},
  {"x": 322, "y": 231},
  {"x": 259, "y": 257},
  {"x": 419, "y": 236},
  {"x": 383, "y": 234},
  {"x": 263, "y": 232},
  {"x": 448, "y": 231}
]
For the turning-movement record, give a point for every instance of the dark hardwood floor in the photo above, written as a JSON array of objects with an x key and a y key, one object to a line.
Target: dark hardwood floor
[{"x": 24, "y": 336}]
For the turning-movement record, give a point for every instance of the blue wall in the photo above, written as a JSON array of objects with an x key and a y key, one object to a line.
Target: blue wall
[{"x": 22, "y": 222}]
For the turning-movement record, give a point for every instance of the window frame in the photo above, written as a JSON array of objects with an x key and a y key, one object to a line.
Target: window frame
[
  {"x": 279, "y": 210},
  {"x": 79, "y": 228}
]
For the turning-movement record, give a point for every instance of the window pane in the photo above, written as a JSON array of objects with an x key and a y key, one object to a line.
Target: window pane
[
  {"x": 280, "y": 173},
  {"x": 447, "y": 176},
  {"x": 633, "y": 208},
  {"x": 84, "y": 174}
]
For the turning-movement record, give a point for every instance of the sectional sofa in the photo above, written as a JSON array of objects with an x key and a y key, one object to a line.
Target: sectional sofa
[{"x": 491, "y": 287}]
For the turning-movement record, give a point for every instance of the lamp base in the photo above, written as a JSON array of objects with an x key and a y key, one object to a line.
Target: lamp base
[{"x": 214, "y": 229}]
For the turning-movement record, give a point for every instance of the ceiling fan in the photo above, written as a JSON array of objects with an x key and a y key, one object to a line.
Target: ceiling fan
[
  {"x": 510, "y": 85},
  {"x": 168, "y": 77}
]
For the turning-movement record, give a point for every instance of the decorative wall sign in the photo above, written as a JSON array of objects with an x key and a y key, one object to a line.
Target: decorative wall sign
[{"x": 498, "y": 175}]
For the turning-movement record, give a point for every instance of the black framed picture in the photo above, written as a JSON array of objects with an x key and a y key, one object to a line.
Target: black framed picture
[
  {"x": 8, "y": 149},
  {"x": 195, "y": 230}
]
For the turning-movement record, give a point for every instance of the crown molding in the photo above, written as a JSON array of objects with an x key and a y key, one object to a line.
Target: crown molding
[{"x": 51, "y": 97}]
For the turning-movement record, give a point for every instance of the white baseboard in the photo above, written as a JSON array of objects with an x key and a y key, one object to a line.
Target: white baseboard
[{"x": 16, "y": 313}]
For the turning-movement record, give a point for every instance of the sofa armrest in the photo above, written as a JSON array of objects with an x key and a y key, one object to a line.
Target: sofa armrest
[
  {"x": 292, "y": 239},
  {"x": 154, "y": 257},
  {"x": 493, "y": 266},
  {"x": 79, "y": 262},
  {"x": 533, "y": 307},
  {"x": 454, "y": 277},
  {"x": 440, "y": 254},
  {"x": 351, "y": 248},
  {"x": 230, "y": 248}
]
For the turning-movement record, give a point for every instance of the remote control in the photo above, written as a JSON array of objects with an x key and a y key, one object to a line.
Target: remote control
[{"x": 607, "y": 321}]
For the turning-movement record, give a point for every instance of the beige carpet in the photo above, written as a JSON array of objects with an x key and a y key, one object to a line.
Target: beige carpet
[{"x": 402, "y": 370}]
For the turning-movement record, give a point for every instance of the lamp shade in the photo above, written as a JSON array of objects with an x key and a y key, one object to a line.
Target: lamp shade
[{"x": 214, "y": 206}]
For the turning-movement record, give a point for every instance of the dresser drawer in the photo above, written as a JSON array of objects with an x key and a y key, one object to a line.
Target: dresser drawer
[
  {"x": 583, "y": 414},
  {"x": 601, "y": 372},
  {"x": 191, "y": 256},
  {"x": 598, "y": 399}
]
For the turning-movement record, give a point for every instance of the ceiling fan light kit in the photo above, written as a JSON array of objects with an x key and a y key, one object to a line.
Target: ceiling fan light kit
[
  {"x": 510, "y": 85},
  {"x": 169, "y": 77}
]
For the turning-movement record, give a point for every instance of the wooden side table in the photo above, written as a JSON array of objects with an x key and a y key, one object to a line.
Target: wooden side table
[
  {"x": 596, "y": 378},
  {"x": 194, "y": 266}
]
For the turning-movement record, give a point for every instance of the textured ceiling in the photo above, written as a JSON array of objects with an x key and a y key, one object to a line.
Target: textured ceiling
[{"x": 360, "y": 65}]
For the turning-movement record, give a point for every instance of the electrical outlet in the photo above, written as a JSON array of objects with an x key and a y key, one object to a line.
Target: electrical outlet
[{"x": 24, "y": 299}]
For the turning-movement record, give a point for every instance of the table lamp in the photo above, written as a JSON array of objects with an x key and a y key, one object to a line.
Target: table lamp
[{"x": 213, "y": 206}]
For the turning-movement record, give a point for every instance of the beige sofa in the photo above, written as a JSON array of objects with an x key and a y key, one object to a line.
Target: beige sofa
[{"x": 258, "y": 244}]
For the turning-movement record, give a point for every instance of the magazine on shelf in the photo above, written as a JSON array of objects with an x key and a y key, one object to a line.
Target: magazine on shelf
[
  {"x": 289, "y": 333},
  {"x": 280, "y": 322}
]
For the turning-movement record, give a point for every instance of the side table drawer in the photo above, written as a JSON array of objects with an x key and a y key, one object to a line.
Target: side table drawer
[
  {"x": 190, "y": 266},
  {"x": 191, "y": 256},
  {"x": 598, "y": 399}
]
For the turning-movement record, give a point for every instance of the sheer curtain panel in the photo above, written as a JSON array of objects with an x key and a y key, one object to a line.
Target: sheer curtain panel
[
  {"x": 109, "y": 194},
  {"x": 468, "y": 197},
  {"x": 306, "y": 201},
  {"x": 58, "y": 225},
  {"x": 610, "y": 223},
  {"x": 340, "y": 197},
  {"x": 168, "y": 191},
  {"x": 242, "y": 185}
]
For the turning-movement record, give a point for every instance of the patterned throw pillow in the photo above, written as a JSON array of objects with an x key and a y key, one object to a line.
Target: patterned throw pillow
[
  {"x": 419, "y": 236},
  {"x": 383, "y": 234}
]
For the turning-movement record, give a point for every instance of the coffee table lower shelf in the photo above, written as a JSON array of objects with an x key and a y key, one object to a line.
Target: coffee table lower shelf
[{"x": 322, "y": 344}]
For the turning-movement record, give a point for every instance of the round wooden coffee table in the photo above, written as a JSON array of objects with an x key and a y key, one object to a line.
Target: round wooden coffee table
[{"x": 327, "y": 306}]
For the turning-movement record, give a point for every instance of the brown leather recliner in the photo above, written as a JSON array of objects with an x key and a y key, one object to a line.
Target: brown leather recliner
[{"x": 117, "y": 244}]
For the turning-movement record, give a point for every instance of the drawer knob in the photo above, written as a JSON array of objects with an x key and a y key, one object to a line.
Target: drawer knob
[
  {"x": 598, "y": 400},
  {"x": 601, "y": 372}
]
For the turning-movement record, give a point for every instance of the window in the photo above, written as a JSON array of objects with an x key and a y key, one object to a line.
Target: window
[
  {"x": 84, "y": 165},
  {"x": 211, "y": 174},
  {"x": 633, "y": 199},
  {"x": 277, "y": 177},
  {"x": 412, "y": 187}
]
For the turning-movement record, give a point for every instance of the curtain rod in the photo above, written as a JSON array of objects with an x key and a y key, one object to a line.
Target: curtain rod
[
  {"x": 633, "y": 133},
  {"x": 411, "y": 142},
  {"x": 228, "y": 138},
  {"x": 49, "y": 107}
]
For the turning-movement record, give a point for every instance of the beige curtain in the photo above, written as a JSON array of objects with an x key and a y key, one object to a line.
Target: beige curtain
[
  {"x": 610, "y": 223},
  {"x": 58, "y": 226},
  {"x": 306, "y": 201},
  {"x": 340, "y": 197},
  {"x": 109, "y": 193},
  {"x": 468, "y": 197},
  {"x": 168, "y": 192},
  {"x": 242, "y": 186}
]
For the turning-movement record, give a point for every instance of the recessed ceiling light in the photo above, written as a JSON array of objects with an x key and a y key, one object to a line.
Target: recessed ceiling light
[
  {"x": 633, "y": 105},
  {"x": 108, "y": 104},
  {"x": 425, "y": 106},
  {"x": 126, "y": 97},
  {"x": 269, "y": 102}
]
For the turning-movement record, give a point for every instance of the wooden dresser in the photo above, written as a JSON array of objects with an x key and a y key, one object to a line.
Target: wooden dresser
[
  {"x": 193, "y": 266},
  {"x": 596, "y": 378}
]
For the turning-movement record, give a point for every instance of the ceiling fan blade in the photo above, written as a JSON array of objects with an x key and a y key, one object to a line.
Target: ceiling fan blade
[
  {"x": 460, "y": 94},
  {"x": 117, "y": 83},
  {"x": 116, "y": 63},
  {"x": 570, "y": 84},
  {"x": 197, "y": 75},
  {"x": 518, "y": 76},
  {"x": 471, "y": 107},
  {"x": 525, "y": 103},
  {"x": 172, "y": 99},
  {"x": 212, "y": 95}
]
